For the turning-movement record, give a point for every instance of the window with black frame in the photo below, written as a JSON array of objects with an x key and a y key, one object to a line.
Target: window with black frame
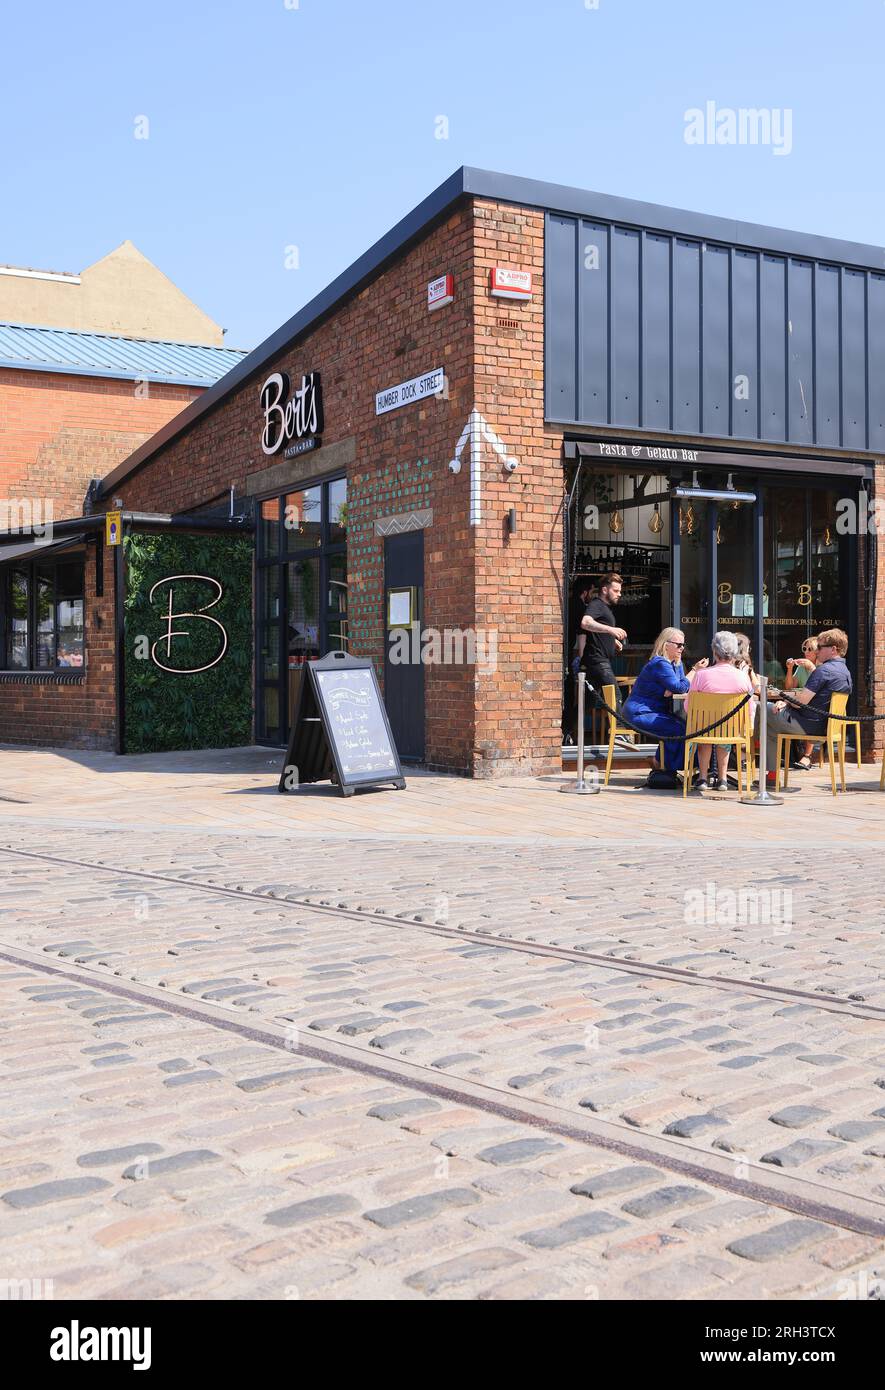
[
  {"x": 43, "y": 625},
  {"x": 302, "y": 594}
]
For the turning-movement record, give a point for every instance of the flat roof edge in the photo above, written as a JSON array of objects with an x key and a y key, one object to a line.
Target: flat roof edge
[
  {"x": 485, "y": 183},
  {"x": 608, "y": 207}
]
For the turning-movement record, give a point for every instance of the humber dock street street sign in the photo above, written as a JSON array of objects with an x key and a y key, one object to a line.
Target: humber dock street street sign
[
  {"x": 430, "y": 384},
  {"x": 294, "y": 420}
]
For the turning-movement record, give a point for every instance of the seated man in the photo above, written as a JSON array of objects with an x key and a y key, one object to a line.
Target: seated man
[{"x": 807, "y": 709}]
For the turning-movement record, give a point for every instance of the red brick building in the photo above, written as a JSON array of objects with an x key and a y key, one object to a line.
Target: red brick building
[
  {"x": 72, "y": 405},
  {"x": 518, "y": 388}
]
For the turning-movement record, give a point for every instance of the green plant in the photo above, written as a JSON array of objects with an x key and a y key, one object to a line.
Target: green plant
[{"x": 210, "y": 708}]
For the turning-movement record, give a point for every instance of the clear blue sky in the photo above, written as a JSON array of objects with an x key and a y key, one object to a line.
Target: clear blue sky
[{"x": 315, "y": 126}]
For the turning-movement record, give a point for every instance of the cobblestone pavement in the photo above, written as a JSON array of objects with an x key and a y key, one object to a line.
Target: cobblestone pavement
[{"x": 735, "y": 1069}]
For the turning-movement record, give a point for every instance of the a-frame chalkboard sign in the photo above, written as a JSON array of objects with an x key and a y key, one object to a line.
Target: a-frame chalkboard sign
[{"x": 340, "y": 730}]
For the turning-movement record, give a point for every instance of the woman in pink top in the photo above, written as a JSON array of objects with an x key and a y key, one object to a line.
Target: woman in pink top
[{"x": 722, "y": 678}]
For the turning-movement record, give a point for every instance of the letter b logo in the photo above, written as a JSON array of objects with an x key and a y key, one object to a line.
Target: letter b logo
[{"x": 198, "y": 615}]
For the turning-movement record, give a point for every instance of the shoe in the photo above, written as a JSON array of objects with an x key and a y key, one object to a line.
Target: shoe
[
  {"x": 701, "y": 785},
  {"x": 770, "y": 779},
  {"x": 722, "y": 785}
]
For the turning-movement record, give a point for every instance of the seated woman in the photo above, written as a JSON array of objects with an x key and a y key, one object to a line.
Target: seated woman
[
  {"x": 650, "y": 706},
  {"x": 798, "y": 672},
  {"x": 745, "y": 660},
  {"x": 722, "y": 678}
]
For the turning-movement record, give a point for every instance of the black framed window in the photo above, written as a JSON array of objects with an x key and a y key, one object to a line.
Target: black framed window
[
  {"x": 43, "y": 616},
  {"x": 302, "y": 594}
]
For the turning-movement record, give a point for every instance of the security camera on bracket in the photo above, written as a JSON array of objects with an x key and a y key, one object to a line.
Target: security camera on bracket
[
  {"x": 511, "y": 464},
  {"x": 455, "y": 466}
]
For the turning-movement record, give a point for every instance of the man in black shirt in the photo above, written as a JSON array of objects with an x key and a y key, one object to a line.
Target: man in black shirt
[
  {"x": 604, "y": 638},
  {"x": 580, "y": 599}
]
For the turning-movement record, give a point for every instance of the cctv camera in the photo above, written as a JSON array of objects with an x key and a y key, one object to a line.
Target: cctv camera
[
  {"x": 511, "y": 464},
  {"x": 455, "y": 466}
]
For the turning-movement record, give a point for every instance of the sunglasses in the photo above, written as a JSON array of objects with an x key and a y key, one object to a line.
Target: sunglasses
[{"x": 675, "y": 644}]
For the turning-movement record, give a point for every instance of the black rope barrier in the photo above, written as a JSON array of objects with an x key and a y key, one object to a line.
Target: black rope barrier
[
  {"x": 825, "y": 714},
  {"x": 620, "y": 718}
]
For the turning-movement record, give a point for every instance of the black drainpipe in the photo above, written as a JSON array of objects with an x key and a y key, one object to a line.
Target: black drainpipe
[{"x": 119, "y": 648}]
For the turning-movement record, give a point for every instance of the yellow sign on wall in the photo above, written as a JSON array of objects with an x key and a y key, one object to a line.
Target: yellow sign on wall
[{"x": 113, "y": 527}]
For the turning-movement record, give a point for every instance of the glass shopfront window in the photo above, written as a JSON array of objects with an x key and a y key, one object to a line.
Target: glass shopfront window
[
  {"x": 302, "y": 595},
  {"x": 622, "y": 522},
  {"x": 303, "y": 519},
  {"x": 693, "y": 615},
  {"x": 17, "y": 620},
  {"x": 338, "y": 510},
  {"x": 804, "y": 572},
  {"x": 43, "y": 616},
  {"x": 772, "y": 567},
  {"x": 735, "y": 576},
  {"x": 304, "y": 610}
]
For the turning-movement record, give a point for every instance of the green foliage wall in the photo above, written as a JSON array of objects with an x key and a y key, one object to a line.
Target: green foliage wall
[{"x": 206, "y": 709}]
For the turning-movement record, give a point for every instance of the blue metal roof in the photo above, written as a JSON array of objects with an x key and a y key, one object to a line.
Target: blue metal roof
[{"x": 101, "y": 354}]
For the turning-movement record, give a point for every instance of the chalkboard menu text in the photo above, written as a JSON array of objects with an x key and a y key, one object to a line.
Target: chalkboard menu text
[{"x": 340, "y": 730}]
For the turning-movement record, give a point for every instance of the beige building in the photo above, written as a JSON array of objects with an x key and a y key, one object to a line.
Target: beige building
[{"x": 123, "y": 293}]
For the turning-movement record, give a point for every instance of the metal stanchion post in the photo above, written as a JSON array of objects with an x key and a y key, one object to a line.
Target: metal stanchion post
[
  {"x": 580, "y": 785},
  {"x": 763, "y": 797}
]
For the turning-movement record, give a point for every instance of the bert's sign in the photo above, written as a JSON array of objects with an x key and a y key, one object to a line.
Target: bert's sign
[{"x": 291, "y": 418}]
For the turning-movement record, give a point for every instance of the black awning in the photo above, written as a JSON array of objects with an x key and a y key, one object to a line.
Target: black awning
[
  {"x": 33, "y": 550},
  {"x": 663, "y": 457}
]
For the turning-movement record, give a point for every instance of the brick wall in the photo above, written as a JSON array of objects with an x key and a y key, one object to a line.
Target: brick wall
[
  {"x": 58, "y": 432},
  {"x": 518, "y": 576},
  {"x": 476, "y": 577},
  {"x": 382, "y": 336},
  {"x": 70, "y": 716}
]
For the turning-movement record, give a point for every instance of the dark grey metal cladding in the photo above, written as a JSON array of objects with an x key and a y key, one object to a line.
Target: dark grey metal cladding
[{"x": 658, "y": 331}]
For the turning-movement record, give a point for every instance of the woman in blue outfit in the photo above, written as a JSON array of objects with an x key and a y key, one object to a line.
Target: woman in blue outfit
[{"x": 650, "y": 706}]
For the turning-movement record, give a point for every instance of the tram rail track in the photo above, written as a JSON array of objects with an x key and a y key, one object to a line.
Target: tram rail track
[
  {"x": 826, "y": 1002},
  {"x": 800, "y": 1197}
]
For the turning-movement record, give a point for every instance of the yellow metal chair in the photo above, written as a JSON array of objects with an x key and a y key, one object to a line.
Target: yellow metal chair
[
  {"x": 833, "y": 740},
  {"x": 704, "y": 709},
  {"x": 614, "y": 728},
  {"x": 846, "y": 724},
  {"x": 882, "y": 775}
]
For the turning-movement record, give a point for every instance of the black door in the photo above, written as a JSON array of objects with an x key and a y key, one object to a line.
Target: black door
[{"x": 403, "y": 669}]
